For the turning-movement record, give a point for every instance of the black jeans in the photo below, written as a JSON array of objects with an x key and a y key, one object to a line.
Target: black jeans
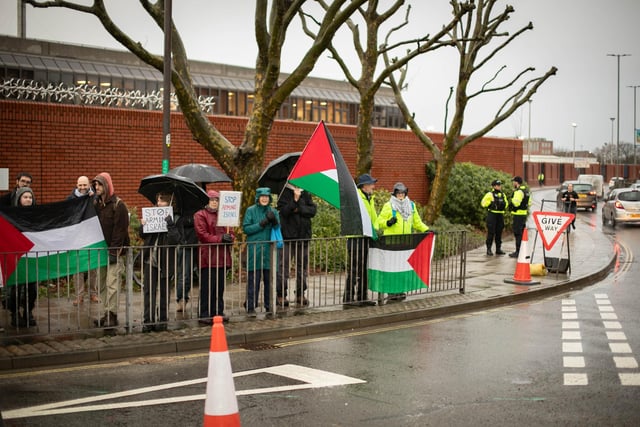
[{"x": 357, "y": 280}]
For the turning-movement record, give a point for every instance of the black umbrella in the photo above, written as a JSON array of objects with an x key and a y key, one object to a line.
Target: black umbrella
[
  {"x": 189, "y": 197},
  {"x": 200, "y": 172},
  {"x": 277, "y": 171}
]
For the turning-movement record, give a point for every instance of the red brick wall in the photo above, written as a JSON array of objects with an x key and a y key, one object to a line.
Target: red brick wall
[{"x": 57, "y": 143}]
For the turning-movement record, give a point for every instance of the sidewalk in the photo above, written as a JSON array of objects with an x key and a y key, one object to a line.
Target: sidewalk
[{"x": 592, "y": 257}]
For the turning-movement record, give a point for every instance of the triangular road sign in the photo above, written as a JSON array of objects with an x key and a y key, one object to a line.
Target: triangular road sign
[{"x": 551, "y": 225}]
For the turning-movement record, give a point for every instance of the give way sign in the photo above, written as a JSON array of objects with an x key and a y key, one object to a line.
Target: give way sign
[{"x": 551, "y": 225}]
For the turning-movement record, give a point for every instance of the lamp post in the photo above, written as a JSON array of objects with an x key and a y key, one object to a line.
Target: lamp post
[
  {"x": 166, "y": 82},
  {"x": 529, "y": 137},
  {"x": 618, "y": 55},
  {"x": 635, "y": 129},
  {"x": 575, "y": 125}
]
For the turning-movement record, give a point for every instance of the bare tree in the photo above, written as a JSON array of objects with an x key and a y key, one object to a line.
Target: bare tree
[
  {"x": 244, "y": 162},
  {"x": 370, "y": 53},
  {"x": 474, "y": 34}
]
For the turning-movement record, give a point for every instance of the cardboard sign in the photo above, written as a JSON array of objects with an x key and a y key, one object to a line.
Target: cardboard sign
[
  {"x": 229, "y": 209},
  {"x": 154, "y": 219},
  {"x": 551, "y": 225}
]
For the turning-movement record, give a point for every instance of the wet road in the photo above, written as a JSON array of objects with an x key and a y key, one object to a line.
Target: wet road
[{"x": 566, "y": 360}]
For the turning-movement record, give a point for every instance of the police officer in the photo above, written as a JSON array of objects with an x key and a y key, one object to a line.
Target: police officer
[
  {"x": 495, "y": 202},
  {"x": 519, "y": 208}
]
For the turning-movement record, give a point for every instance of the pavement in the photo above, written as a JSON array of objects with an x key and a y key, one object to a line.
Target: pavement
[{"x": 592, "y": 259}]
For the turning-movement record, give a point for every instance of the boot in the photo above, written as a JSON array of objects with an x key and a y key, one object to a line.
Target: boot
[
  {"x": 500, "y": 252},
  {"x": 489, "y": 253}
]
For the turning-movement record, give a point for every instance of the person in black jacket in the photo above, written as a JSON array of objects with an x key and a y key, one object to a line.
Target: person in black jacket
[
  {"x": 159, "y": 258},
  {"x": 296, "y": 210}
]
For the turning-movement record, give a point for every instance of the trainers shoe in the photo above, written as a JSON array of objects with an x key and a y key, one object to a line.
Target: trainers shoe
[{"x": 95, "y": 299}]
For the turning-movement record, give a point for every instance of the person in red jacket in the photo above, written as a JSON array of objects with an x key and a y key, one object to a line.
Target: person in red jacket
[{"x": 215, "y": 259}]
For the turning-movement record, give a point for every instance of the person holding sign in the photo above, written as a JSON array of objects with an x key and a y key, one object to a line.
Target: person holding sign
[
  {"x": 159, "y": 259},
  {"x": 215, "y": 259},
  {"x": 258, "y": 221}
]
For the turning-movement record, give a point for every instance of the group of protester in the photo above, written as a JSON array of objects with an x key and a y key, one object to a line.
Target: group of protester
[{"x": 164, "y": 252}]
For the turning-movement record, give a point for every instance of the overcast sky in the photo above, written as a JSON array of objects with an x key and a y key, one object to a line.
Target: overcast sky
[{"x": 573, "y": 35}]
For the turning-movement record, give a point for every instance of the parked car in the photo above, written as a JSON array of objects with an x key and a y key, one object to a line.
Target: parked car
[
  {"x": 587, "y": 198},
  {"x": 622, "y": 206}
]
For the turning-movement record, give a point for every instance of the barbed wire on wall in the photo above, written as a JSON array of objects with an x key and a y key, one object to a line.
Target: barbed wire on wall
[{"x": 31, "y": 90}]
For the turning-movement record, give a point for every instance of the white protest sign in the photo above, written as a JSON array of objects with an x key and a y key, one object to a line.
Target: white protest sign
[
  {"x": 551, "y": 225},
  {"x": 229, "y": 209},
  {"x": 154, "y": 219}
]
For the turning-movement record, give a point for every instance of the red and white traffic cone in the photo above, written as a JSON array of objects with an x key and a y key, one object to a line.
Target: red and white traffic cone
[
  {"x": 220, "y": 405},
  {"x": 522, "y": 275}
]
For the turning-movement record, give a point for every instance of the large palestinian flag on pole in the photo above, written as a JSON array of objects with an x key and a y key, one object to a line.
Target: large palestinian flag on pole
[
  {"x": 400, "y": 263},
  {"x": 322, "y": 171},
  {"x": 66, "y": 237}
]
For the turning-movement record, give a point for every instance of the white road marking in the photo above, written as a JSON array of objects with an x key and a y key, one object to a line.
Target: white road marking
[
  {"x": 569, "y": 316},
  {"x": 630, "y": 379},
  {"x": 566, "y": 308},
  {"x": 311, "y": 378},
  {"x": 625, "y": 362},
  {"x": 570, "y": 325},
  {"x": 620, "y": 347},
  {"x": 568, "y": 301},
  {"x": 571, "y": 335},
  {"x": 572, "y": 347},
  {"x": 612, "y": 325},
  {"x": 605, "y": 309},
  {"x": 575, "y": 379},
  {"x": 608, "y": 316},
  {"x": 612, "y": 336},
  {"x": 573, "y": 362}
]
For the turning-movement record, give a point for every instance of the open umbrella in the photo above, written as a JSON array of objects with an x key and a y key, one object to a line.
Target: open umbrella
[
  {"x": 200, "y": 172},
  {"x": 277, "y": 171},
  {"x": 189, "y": 197}
]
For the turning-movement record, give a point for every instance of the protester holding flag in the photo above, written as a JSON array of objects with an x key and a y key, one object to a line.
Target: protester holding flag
[
  {"x": 296, "y": 210},
  {"x": 114, "y": 221},
  {"x": 400, "y": 216},
  {"x": 83, "y": 189},
  {"x": 23, "y": 179},
  {"x": 23, "y": 295},
  {"x": 258, "y": 221},
  {"x": 215, "y": 259},
  {"x": 159, "y": 256},
  {"x": 358, "y": 248}
]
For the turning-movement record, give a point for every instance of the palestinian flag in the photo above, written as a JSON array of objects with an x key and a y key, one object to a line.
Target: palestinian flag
[
  {"x": 400, "y": 263},
  {"x": 66, "y": 236},
  {"x": 322, "y": 171},
  {"x": 12, "y": 246}
]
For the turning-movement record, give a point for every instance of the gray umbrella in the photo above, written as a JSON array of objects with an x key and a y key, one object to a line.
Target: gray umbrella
[{"x": 199, "y": 172}]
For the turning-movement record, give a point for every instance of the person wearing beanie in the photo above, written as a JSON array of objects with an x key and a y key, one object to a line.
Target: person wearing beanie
[
  {"x": 24, "y": 179},
  {"x": 258, "y": 221},
  {"x": 358, "y": 250},
  {"x": 215, "y": 259},
  {"x": 519, "y": 207},
  {"x": 495, "y": 202},
  {"x": 23, "y": 295},
  {"x": 113, "y": 215}
]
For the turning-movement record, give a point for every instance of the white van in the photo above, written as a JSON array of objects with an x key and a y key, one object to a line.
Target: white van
[{"x": 596, "y": 180}]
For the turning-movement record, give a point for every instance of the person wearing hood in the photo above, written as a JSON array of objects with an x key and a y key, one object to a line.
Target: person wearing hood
[
  {"x": 80, "y": 280},
  {"x": 258, "y": 221},
  {"x": 23, "y": 295},
  {"x": 215, "y": 259},
  {"x": 400, "y": 216},
  {"x": 23, "y": 179},
  {"x": 114, "y": 220}
]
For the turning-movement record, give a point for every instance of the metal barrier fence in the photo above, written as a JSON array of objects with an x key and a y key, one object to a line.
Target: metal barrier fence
[{"x": 177, "y": 285}]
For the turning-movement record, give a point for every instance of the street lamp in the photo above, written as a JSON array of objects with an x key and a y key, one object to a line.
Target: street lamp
[
  {"x": 613, "y": 120},
  {"x": 529, "y": 138},
  {"x": 618, "y": 55},
  {"x": 574, "y": 143},
  {"x": 635, "y": 129}
]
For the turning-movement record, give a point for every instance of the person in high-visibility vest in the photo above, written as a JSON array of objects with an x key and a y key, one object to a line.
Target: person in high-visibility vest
[
  {"x": 540, "y": 179},
  {"x": 519, "y": 208},
  {"x": 495, "y": 202}
]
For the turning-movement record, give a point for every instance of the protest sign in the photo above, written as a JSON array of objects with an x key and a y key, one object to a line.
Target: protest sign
[
  {"x": 155, "y": 218},
  {"x": 229, "y": 209}
]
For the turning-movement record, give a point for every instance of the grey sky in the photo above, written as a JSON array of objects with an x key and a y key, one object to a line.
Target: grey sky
[{"x": 573, "y": 35}]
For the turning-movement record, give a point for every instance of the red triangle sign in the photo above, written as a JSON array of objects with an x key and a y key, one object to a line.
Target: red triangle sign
[{"x": 551, "y": 225}]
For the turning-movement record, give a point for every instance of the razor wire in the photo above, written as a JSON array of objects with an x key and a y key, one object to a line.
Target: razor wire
[{"x": 85, "y": 94}]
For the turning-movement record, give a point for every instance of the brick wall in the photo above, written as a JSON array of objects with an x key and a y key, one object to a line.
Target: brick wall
[{"x": 57, "y": 143}]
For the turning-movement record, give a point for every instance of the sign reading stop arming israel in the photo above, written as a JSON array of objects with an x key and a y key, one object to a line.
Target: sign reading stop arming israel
[{"x": 551, "y": 225}]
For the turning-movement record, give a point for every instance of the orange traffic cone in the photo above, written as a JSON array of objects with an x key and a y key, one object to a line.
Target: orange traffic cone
[
  {"x": 220, "y": 405},
  {"x": 522, "y": 275}
]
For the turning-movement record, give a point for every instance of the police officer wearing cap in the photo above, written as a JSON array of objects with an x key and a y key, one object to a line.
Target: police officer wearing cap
[
  {"x": 519, "y": 208},
  {"x": 495, "y": 202}
]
